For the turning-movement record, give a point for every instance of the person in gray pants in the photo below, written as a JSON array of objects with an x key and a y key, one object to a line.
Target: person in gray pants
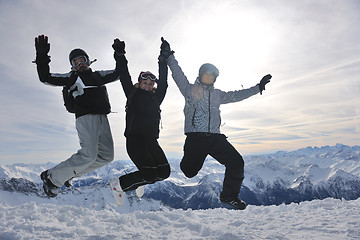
[
  {"x": 86, "y": 96},
  {"x": 202, "y": 126}
]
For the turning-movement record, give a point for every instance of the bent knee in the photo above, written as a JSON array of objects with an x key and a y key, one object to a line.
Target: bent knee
[
  {"x": 189, "y": 173},
  {"x": 189, "y": 170},
  {"x": 88, "y": 157},
  {"x": 107, "y": 155},
  {"x": 149, "y": 174},
  {"x": 109, "y": 158},
  {"x": 152, "y": 175},
  {"x": 164, "y": 171}
]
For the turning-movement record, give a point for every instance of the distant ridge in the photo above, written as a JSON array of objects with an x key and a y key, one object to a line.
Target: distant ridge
[{"x": 270, "y": 179}]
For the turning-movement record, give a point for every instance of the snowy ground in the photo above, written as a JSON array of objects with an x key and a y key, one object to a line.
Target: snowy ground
[{"x": 39, "y": 218}]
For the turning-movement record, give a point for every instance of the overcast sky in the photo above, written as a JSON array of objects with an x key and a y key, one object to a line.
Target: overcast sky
[{"x": 311, "y": 48}]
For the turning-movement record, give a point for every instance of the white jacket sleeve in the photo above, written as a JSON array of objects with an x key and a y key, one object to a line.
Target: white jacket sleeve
[
  {"x": 178, "y": 75},
  {"x": 239, "y": 95}
]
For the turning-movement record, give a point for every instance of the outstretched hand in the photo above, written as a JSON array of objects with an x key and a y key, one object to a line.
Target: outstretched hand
[
  {"x": 165, "y": 50},
  {"x": 165, "y": 46},
  {"x": 265, "y": 80},
  {"x": 42, "y": 46},
  {"x": 119, "y": 46}
]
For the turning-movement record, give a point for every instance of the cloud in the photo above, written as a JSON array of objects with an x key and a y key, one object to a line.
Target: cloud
[{"x": 310, "y": 47}]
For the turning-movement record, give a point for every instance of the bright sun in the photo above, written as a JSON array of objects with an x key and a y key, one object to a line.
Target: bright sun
[{"x": 238, "y": 41}]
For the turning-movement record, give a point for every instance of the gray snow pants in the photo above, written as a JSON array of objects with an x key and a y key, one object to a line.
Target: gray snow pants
[{"x": 97, "y": 150}]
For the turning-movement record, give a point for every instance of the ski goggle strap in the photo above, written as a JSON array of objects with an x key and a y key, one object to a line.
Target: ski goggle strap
[
  {"x": 83, "y": 60},
  {"x": 147, "y": 75}
]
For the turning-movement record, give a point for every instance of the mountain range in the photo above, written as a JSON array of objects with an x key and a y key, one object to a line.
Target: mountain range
[{"x": 270, "y": 179}]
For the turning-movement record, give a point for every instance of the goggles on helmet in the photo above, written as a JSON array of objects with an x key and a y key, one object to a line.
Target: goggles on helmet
[
  {"x": 80, "y": 59},
  {"x": 147, "y": 75}
]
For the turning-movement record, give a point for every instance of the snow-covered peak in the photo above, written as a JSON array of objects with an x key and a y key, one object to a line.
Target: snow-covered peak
[{"x": 281, "y": 177}]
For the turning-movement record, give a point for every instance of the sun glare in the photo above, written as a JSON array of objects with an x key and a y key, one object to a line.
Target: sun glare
[{"x": 237, "y": 40}]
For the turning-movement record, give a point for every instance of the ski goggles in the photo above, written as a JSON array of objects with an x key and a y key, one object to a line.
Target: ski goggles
[
  {"x": 147, "y": 75},
  {"x": 75, "y": 62}
]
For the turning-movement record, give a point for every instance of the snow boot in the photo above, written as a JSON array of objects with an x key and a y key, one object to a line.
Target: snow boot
[
  {"x": 234, "y": 202},
  {"x": 49, "y": 188},
  {"x": 118, "y": 193},
  {"x": 140, "y": 191}
]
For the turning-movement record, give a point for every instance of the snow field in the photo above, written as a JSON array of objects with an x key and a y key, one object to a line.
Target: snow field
[{"x": 319, "y": 219}]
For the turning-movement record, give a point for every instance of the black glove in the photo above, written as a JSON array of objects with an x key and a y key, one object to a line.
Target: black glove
[
  {"x": 265, "y": 80},
  {"x": 119, "y": 46},
  {"x": 165, "y": 51},
  {"x": 42, "y": 47}
]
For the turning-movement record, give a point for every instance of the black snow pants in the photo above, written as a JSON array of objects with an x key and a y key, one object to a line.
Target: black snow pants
[
  {"x": 199, "y": 145},
  {"x": 150, "y": 160}
]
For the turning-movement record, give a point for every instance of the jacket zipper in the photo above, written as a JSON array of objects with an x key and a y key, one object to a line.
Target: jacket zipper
[
  {"x": 209, "y": 114},
  {"x": 193, "y": 118}
]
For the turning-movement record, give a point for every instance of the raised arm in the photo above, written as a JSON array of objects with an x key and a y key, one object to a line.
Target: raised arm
[
  {"x": 162, "y": 83},
  {"x": 177, "y": 73},
  {"x": 112, "y": 75},
  {"x": 42, "y": 47},
  {"x": 121, "y": 66}
]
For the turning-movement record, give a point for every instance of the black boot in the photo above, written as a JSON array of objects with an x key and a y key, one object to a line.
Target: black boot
[
  {"x": 232, "y": 198},
  {"x": 49, "y": 188},
  {"x": 234, "y": 202}
]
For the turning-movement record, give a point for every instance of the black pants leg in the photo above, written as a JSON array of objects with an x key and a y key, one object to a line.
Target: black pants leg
[
  {"x": 150, "y": 160},
  {"x": 197, "y": 147},
  {"x": 227, "y": 155}
]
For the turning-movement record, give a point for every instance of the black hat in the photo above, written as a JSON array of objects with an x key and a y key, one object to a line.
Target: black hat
[{"x": 76, "y": 53}]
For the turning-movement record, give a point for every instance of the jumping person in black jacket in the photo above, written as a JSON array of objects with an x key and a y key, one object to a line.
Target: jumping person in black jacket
[
  {"x": 142, "y": 126},
  {"x": 90, "y": 105}
]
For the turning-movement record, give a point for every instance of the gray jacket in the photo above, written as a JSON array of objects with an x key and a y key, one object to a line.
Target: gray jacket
[{"x": 202, "y": 103}]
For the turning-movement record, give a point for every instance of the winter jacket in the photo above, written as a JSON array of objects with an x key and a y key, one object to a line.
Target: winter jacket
[
  {"x": 91, "y": 94},
  {"x": 202, "y": 103},
  {"x": 143, "y": 107}
]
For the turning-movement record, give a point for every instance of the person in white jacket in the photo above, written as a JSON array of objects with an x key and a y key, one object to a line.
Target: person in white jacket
[{"x": 202, "y": 126}]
